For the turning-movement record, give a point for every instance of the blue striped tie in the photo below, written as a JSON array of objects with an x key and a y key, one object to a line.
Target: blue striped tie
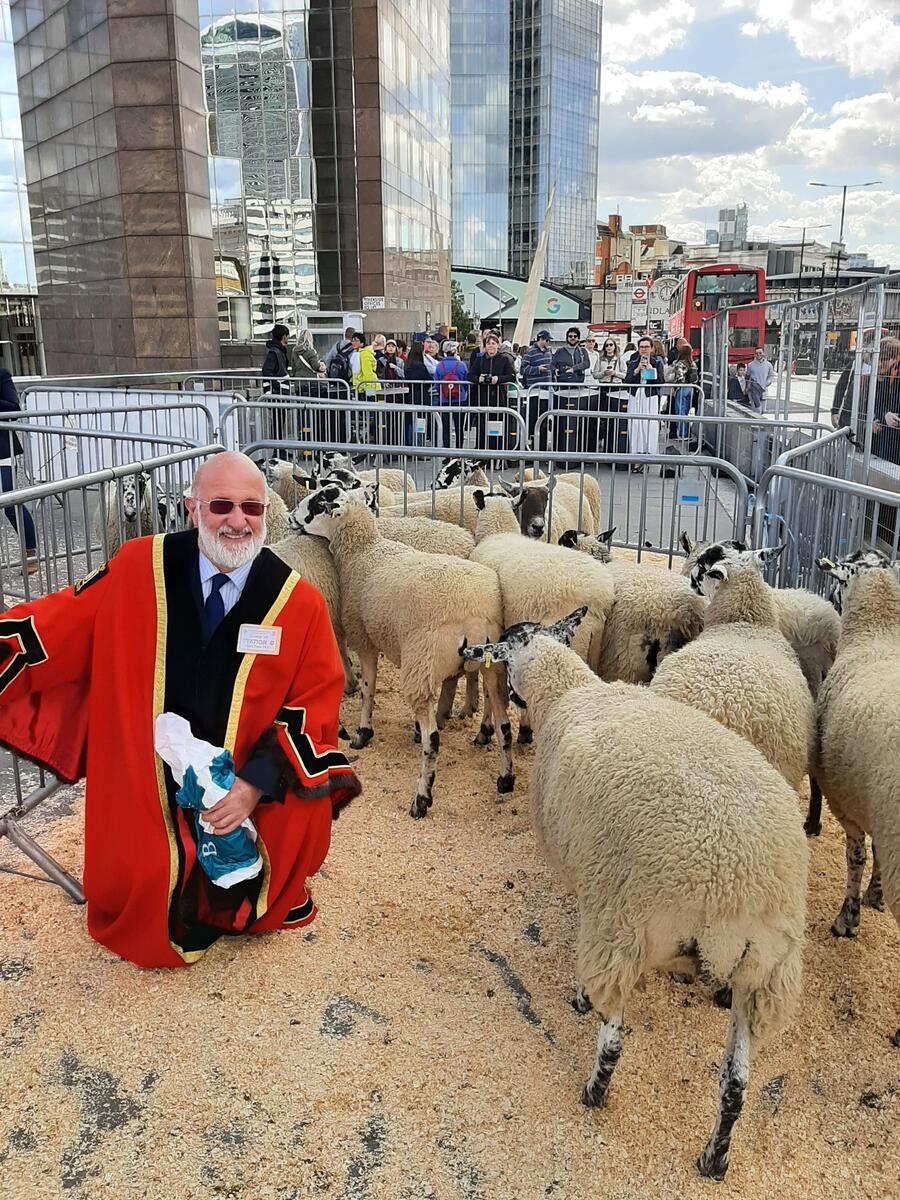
[{"x": 214, "y": 609}]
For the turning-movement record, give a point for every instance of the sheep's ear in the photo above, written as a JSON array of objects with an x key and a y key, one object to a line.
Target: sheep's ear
[
  {"x": 719, "y": 572},
  {"x": 686, "y": 544},
  {"x": 570, "y": 538},
  {"x": 768, "y": 553},
  {"x": 565, "y": 629},
  {"x": 607, "y": 535},
  {"x": 478, "y": 497},
  {"x": 550, "y": 484},
  {"x": 511, "y": 489},
  {"x": 300, "y": 475}
]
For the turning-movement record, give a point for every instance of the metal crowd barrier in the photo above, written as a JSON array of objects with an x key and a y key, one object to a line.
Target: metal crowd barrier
[
  {"x": 62, "y": 514},
  {"x": 814, "y": 515},
  {"x": 706, "y": 496},
  {"x": 146, "y": 411}
]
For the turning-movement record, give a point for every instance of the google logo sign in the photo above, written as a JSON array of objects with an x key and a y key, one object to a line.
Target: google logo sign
[{"x": 553, "y": 305}]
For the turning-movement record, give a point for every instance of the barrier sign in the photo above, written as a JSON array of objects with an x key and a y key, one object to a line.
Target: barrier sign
[{"x": 370, "y": 303}]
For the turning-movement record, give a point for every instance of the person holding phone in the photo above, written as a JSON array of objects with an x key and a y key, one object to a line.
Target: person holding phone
[
  {"x": 645, "y": 373},
  {"x": 491, "y": 372}
]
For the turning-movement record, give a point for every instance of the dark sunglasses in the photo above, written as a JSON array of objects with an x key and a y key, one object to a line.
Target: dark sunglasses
[{"x": 221, "y": 508}]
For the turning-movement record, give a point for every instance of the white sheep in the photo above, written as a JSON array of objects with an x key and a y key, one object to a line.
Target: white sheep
[
  {"x": 859, "y": 720},
  {"x": 446, "y": 505},
  {"x": 287, "y": 479},
  {"x": 277, "y": 524},
  {"x": 680, "y": 843},
  {"x": 421, "y": 533},
  {"x": 741, "y": 670},
  {"x": 390, "y": 478},
  {"x": 654, "y": 612},
  {"x": 417, "y": 609},
  {"x": 311, "y": 559},
  {"x": 451, "y": 469},
  {"x": 540, "y": 582},
  {"x": 127, "y": 511},
  {"x": 808, "y": 621}
]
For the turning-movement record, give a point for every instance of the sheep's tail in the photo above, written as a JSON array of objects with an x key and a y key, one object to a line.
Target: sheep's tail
[{"x": 767, "y": 983}]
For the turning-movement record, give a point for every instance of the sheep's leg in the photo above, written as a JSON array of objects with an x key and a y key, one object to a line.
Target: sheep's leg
[
  {"x": 874, "y": 896},
  {"x": 351, "y": 683},
  {"x": 364, "y": 733},
  {"x": 733, "y": 1076},
  {"x": 495, "y": 691},
  {"x": 485, "y": 729},
  {"x": 582, "y": 1001},
  {"x": 470, "y": 708},
  {"x": 847, "y": 921},
  {"x": 445, "y": 704},
  {"x": 609, "y": 1047},
  {"x": 431, "y": 742},
  {"x": 525, "y": 735},
  {"x": 812, "y": 826}
]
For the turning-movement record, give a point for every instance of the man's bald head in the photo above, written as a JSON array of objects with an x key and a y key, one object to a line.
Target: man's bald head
[{"x": 231, "y": 469}]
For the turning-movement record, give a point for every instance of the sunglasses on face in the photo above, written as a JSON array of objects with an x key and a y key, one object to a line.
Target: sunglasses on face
[{"x": 221, "y": 508}]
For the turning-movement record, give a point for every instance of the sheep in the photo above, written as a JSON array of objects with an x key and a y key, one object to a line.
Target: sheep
[
  {"x": 808, "y": 621},
  {"x": 598, "y": 545},
  {"x": 288, "y": 480},
  {"x": 416, "y": 608},
  {"x": 532, "y": 501},
  {"x": 421, "y": 533},
  {"x": 440, "y": 506},
  {"x": 453, "y": 468},
  {"x": 741, "y": 670},
  {"x": 277, "y": 524},
  {"x": 495, "y": 515},
  {"x": 680, "y": 842},
  {"x": 582, "y": 483},
  {"x": 858, "y": 710},
  {"x": 390, "y": 478},
  {"x": 540, "y": 582},
  {"x": 127, "y": 512}
]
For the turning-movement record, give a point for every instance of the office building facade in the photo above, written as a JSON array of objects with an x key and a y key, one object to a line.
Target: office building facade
[{"x": 526, "y": 97}]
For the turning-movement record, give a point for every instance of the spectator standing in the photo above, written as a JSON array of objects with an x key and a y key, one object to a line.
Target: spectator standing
[
  {"x": 537, "y": 368},
  {"x": 608, "y": 370},
  {"x": 379, "y": 341},
  {"x": 887, "y": 401},
  {"x": 432, "y": 354},
  {"x": 684, "y": 374},
  {"x": 275, "y": 364},
  {"x": 737, "y": 384},
  {"x": 490, "y": 374},
  {"x": 363, "y": 368},
  {"x": 842, "y": 404},
  {"x": 590, "y": 349},
  {"x": 10, "y": 449},
  {"x": 306, "y": 364},
  {"x": 450, "y": 375},
  {"x": 759, "y": 378},
  {"x": 418, "y": 379},
  {"x": 646, "y": 371},
  {"x": 570, "y": 364},
  {"x": 471, "y": 348},
  {"x": 675, "y": 348}
]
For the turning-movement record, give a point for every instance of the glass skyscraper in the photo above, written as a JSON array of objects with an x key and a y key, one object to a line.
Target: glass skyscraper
[{"x": 526, "y": 99}]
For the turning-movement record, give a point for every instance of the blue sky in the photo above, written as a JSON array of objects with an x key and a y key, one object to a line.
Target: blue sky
[{"x": 750, "y": 103}]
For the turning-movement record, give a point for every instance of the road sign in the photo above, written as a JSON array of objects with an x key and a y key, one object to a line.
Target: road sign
[
  {"x": 370, "y": 303},
  {"x": 639, "y": 294}
]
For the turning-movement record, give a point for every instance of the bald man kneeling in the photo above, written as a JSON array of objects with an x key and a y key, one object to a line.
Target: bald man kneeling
[{"x": 210, "y": 625}]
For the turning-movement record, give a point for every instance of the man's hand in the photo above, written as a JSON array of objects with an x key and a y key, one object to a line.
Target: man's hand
[
  {"x": 835, "y": 420},
  {"x": 892, "y": 419},
  {"x": 233, "y": 808}
]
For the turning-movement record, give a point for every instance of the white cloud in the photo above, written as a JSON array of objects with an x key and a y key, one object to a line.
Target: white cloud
[
  {"x": 634, "y": 30},
  {"x": 863, "y": 36},
  {"x": 860, "y": 134},
  {"x": 674, "y": 110}
]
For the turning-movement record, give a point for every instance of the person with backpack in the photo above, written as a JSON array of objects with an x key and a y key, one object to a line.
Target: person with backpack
[
  {"x": 450, "y": 391},
  {"x": 363, "y": 368},
  {"x": 337, "y": 360}
]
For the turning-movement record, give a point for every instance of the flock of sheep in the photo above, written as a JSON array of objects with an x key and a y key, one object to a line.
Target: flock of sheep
[{"x": 674, "y": 718}]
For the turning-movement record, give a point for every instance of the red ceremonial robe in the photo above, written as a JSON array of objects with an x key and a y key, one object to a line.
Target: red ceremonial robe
[{"x": 83, "y": 675}]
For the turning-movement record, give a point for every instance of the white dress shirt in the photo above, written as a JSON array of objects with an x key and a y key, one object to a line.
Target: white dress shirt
[{"x": 230, "y": 591}]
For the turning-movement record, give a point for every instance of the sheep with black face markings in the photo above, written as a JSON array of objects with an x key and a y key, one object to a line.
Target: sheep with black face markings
[
  {"x": 859, "y": 720},
  {"x": 741, "y": 670},
  {"x": 697, "y": 852},
  {"x": 128, "y": 512},
  {"x": 417, "y": 609}
]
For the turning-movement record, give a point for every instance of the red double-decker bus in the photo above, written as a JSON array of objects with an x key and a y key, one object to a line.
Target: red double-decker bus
[{"x": 707, "y": 290}]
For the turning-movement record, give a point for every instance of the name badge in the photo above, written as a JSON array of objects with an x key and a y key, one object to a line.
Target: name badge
[{"x": 259, "y": 639}]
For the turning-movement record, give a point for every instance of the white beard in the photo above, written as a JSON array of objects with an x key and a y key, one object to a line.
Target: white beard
[{"x": 226, "y": 555}]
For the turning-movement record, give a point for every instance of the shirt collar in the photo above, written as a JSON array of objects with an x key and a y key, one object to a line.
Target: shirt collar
[{"x": 238, "y": 576}]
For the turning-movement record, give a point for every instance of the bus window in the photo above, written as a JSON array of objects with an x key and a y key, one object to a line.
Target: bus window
[
  {"x": 742, "y": 283},
  {"x": 743, "y": 337},
  {"x": 695, "y": 337}
]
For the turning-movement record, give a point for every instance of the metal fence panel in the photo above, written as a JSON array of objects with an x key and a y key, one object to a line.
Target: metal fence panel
[{"x": 145, "y": 411}]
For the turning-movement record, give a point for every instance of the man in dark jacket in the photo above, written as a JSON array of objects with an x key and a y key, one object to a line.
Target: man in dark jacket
[
  {"x": 570, "y": 363},
  {"x": 275, "y": 366},
  {"x": 491, "y": 372},
  {"x": 537, "y": 368},
  {"x": 10, "y": 449}
]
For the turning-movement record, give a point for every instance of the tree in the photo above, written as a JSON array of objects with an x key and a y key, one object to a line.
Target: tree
[{"x": 459, "y": 314}]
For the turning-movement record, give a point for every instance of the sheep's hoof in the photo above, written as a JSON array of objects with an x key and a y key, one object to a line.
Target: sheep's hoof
[
  {"x": 874, "y": 898},
  {"x": 525, "y": 735},
  {"x": 419, "y": 807},
  {"x": 712, "y": 1166},
  {"x": 812, "y": 828},
  {"x": 594, "y": 1097},
  {"x": 464, "y": 714},
  {"x": 581, "y": 1002},
  {"x": 722, "y": 997},
  {"x": 483, "y": 736},
  {"x": 362, "y": 737},
  {"x": 506, "y": 783},
  {"x": 342, "y": 733},
  {"x": 846, "y": 923}
]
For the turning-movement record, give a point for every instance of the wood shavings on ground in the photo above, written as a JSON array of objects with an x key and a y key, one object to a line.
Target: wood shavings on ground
[{"x": 417, "y": 1041}]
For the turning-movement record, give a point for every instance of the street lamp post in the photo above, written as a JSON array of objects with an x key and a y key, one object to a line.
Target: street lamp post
[
  {"x": 802, "y": 248},
  {"x": 845, "y": 187}
]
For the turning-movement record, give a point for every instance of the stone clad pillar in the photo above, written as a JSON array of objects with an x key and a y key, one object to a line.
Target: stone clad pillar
[{"x": 116, "y": 161}]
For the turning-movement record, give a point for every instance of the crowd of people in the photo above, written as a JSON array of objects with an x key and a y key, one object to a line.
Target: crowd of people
[{"x": 580, "y": 375}]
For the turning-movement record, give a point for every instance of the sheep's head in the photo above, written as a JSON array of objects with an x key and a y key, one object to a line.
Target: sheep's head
[
  {"x": 844, "y": 570},
  {"x": 598, "y": 545},
  {"x": 133, "y": 490},
  {"x": 720, "y": 560},
  {"x": 452, "y": 469},
  {"x": 330, "y": 459},
  {"x": 530, "y": 505},
  {"x": 515, "y": 644},
  {"x": 321, "y": 511},
  {"x": 693, "y": 550}
]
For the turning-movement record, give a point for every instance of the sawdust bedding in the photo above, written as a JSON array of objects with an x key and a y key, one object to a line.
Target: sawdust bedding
[{"x": 417, "y": 1040}]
